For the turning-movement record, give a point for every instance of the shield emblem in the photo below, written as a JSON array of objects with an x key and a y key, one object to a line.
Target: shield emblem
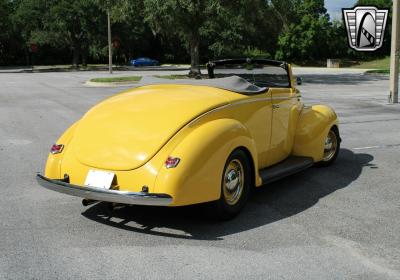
[{"x": 365, "y": 27}]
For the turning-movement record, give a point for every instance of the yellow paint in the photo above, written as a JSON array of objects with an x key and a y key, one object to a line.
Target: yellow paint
[
  {"x": 133, "y": 133},
  {"x": 312, "y": 130},
  {"x": 53, "y": 165},
  {"x": 126, "y": 131}
]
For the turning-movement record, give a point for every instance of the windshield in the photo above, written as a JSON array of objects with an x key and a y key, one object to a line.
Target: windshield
[{"x": 259, "y": 74}]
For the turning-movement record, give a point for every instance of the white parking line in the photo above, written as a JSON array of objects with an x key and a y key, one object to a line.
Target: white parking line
[{"x": 377, "y": 147}]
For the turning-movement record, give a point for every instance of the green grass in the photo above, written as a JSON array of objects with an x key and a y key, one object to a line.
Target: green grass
[
  {"x": 382, "y": 64},
  {"x": 134, "y": 79}
]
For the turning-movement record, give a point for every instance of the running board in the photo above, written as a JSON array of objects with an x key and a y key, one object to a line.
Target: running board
[{"x": 289, "y": 166}]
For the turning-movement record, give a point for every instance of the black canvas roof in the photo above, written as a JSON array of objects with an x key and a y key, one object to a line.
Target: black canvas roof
[{"x": 233, "y": 83}]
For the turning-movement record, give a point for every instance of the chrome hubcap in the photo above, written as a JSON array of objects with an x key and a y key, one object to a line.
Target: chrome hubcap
[
  {"x": 233, "y": 182},
  {"x": 330, "y": 146}
]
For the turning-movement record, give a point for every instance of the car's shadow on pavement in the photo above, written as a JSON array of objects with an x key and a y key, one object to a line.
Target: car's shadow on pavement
[{"x": 270, "y": 203}]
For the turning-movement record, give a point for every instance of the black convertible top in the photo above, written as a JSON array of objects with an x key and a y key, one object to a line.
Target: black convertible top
[
  {"x": 225, "y": 62},
  {"x": 233, "y": 78},
  {"x": 232, "y": 83}
]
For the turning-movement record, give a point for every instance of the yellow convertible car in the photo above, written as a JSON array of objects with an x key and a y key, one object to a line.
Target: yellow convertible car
[{"x": 183, "y": 142}]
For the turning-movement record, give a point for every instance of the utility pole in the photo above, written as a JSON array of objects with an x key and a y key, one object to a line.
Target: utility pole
[
  {"x": 109, "y": 43},
  {"x": 394, "y": 56}
]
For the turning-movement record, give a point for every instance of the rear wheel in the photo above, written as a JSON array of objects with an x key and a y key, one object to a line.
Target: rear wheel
[
  {"x": 331, "y": 147},
  {"x": 235, "y": 186}
]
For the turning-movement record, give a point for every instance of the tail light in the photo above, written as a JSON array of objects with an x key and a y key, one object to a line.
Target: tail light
[
  {"x": 172, "y": 162},
  {"x": 56, "y": 149}
]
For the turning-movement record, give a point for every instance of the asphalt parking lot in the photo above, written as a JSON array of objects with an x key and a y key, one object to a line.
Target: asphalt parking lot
[{"x": 341, "y": 222}]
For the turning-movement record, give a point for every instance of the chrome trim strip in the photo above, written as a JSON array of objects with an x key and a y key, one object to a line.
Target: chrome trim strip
[
  {"x": 105, "y": 195},
  {"x": 193, "y": 122},
  {"x": 240, "y": 102},
  {"x": 251, "y": 100}
]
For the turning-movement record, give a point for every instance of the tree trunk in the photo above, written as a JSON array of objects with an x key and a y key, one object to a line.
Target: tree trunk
[
  {"x": 76, "y": 50},
  {"x": 75, "y": 57},
  {"x": 195, "y": 56},
  {"x": 84, "y": 56},
  {"x": 27, "y": 57}
]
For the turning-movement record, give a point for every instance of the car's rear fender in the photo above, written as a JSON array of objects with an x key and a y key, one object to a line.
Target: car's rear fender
[
  {"x": 312, "y": 129},
  {"x": 203, "y": 153},
  {"x": 53, "y": 164}
]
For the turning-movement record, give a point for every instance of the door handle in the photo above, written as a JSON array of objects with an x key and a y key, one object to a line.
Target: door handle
[{"x": 275, "y": 106}]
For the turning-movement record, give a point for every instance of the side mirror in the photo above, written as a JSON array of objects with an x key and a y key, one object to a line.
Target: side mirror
[{"x": 299, "y": 81}]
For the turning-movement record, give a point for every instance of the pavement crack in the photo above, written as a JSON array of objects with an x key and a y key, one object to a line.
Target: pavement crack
[{"x": 353, "y": 248}]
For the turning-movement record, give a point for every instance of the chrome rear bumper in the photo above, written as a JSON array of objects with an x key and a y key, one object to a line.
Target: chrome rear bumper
[{"x": 105, "y": 195}]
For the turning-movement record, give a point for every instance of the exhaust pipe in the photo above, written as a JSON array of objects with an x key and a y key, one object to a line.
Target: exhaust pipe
[{"x": 87, "y": 202}]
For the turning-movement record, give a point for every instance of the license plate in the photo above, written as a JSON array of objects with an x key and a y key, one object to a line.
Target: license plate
[{"x": 99, "y": 179}]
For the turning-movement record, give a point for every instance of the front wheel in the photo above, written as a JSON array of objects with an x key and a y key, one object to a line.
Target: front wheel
[
  {"x": 331, "y": 147},
  {"x": 235, "y": 186}
]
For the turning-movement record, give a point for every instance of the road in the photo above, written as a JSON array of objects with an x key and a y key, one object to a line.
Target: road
[{"x": 340, "y": 222}]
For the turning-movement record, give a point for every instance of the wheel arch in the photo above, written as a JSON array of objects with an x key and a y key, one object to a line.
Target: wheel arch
[
  {"x": 203, "y": 153},
  {"x": 312, "y": 129},
  {"x": 336, "y": 127},
  {"x": 251, "y": 162}
]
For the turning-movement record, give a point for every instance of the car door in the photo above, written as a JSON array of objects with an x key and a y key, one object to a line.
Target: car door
[
  {"x": 268, "y": 116},
  {"x": 285, "y": 111},
  {"x": 280, "y": 145},
  {"x": 257, "y": 116},
  {"x": 254, "y": 110}
]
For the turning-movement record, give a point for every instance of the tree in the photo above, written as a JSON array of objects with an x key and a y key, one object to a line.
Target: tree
[
  {"x": 128, "y": 26},
  {"x": 221, "y": 26},
  {"x": 5, "y": 26},
  {"x": 337, "y": 41},
  {"x": 306, "y": 36},
  {"x": 242, "y": 27},
  {"x": 183, "y": 17},
  {"x": 284, "y": 10},
  {"x": 174, "y": 30},
  {"x": 60, "y": 23},
  {"x": 377, "y": 3}
]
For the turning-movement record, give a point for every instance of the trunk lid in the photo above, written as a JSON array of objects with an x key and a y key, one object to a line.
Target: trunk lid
[{"x": 127, "y": 130}]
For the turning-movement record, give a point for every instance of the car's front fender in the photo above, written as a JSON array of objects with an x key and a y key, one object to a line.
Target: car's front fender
[
  {"x": 203, "y": 153},
  {"x": 312, "y": 129}
]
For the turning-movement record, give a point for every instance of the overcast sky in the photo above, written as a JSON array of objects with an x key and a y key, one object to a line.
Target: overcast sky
[{"x": 334, "y": 7}]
